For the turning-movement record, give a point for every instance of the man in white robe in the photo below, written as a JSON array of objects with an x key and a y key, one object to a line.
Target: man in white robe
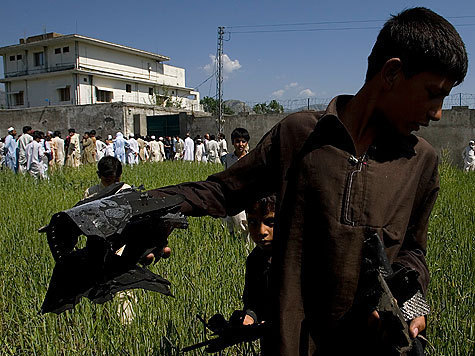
[
  {"x": 468, "y": 156},
  {"x": 23, "y": 141},
  {"x": 120, "y": 144},
  {"x": 189, "y": 149},
  {"x": 133, "y": 151},
  {"x": 100, "y": 148},
  {"x": 213, "y": 150},
  {"x": 35, "y": 154},
  {"x": 154, "y": 150},
  {"x": 161, "y": 150},
  {"x": 11, "y": 150}
]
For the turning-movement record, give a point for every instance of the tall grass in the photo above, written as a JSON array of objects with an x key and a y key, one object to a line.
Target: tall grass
[{"x": 206, "y": 270}]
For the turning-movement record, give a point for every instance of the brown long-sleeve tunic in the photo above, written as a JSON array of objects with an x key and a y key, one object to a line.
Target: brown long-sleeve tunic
[{"x": 327, "y": 199}]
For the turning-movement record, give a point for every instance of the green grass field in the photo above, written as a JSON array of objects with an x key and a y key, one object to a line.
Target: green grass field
[{"x": 206, "y": 270}]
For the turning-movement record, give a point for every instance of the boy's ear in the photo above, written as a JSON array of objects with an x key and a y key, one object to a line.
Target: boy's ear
[{"x": 391, "y": 72}]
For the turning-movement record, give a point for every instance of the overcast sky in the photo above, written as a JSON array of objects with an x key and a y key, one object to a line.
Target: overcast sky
[{"x": 260, "y": 63}]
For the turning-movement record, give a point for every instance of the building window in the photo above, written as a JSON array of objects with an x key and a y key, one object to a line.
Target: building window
[
  {"x": 128, "y": 88},
  {"x": 18, "y": 98},
  {"x": 39, "y": 59},
  {"x": 19, "y": 57},
  {"x": 104, "y": 96},
  {"x": 150, "y": 91},
  {"x": 12, "y": 58},
  {"x": 64, "y": 94},
  {"x": 85, "y": 80},
  {"x": 65, "y": 49},
  {"x": 57, "y": 50}
]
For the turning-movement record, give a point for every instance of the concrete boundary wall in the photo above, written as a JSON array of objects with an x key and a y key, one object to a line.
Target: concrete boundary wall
[
  {"x": 106, "y": 119},
  {"x": 452, "y": 132}
]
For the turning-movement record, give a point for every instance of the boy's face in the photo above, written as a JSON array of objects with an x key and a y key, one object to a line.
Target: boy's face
[
  {"x": 261, "y": 228},
  {"x": 415, "y": 101},
  {"x": 240, "y": 145}
]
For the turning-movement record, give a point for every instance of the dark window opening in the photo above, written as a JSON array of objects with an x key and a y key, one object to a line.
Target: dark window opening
[
  {"x": 57, "y": 50},
  {"x": 65, "y": 49},
  {"x": 18, "y": 98},
  {"x": 128, "y": 88},
  {"x": 39, "y": 59},
  {"x": 150, "y": 91},
  {"x": 104, "y": 96},
  {"x": 85, "y": 79},
  {"x": 12, "y": 58},
  {"x": 64, "y": 94},
  {"x": 19, "y": 57}
]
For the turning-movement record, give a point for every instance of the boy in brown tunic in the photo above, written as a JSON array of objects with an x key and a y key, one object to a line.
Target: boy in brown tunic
[{"x": 355, "y": 169}]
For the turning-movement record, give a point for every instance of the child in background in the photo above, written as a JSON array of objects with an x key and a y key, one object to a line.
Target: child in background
[
  {"x": 240, "y": 137},
  {"x": 257, "y": 291},
  {"x": 109, "y": 171}
]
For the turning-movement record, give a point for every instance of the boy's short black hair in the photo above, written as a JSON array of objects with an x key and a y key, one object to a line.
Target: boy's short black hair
[
  {"x": 240, "y": 132},
  {"x": 26, "y": 129},
  {"x": 263, "y": 206},
  {"x": 72, "y": 130},
  {"x": 57, "y": 134},
  {"x": 109, "y": 166},
  {"x": 424, "y": 42}
]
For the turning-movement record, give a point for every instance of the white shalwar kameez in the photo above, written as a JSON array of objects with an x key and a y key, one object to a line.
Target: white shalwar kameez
[
  {"x": 23, "y": 141},
  {"x": 133, "y": 151},
  {"x": 35, "y": 154},
  {"x": 189, "y": 149}
]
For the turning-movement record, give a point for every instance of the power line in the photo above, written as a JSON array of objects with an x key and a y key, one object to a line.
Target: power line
[
  {"x": 327, "y": 29},
  {"x": 330, "y": 22}
]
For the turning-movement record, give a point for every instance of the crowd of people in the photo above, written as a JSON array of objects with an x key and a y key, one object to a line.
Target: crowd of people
[{"x": 36, "y": 152}]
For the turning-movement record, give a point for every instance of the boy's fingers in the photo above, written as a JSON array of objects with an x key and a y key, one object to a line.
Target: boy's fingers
[{"x": 417, "y": 325}]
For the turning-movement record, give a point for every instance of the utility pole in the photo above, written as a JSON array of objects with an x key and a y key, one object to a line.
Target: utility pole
[{"x": 219, "y": 79}]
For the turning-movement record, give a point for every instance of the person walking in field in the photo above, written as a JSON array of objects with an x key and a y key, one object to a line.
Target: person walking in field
[
  {"x": 133, "y": 151},
  {"x": 73, "y": 156},
  {"x": 468, "y": 156},
  {"x": 120, "y": 144},
  {"x": 100, "y": 148},
  {"x": 35, "y": 156},
  {"x": 89, "y": 149},
  {"x": 154, "y": 150},
  {"x": 142, "y": 148},
  {"x": 58, "y": 148},
  {"x": 212, "y": 150},
  {"x": 23, "y": 141},
  {"x": 179, "y": 148},
  {"x": 199, "y": 150},
  {"x": 223, "y": 147},
  {"x": 11, "y": 150},
  {"x": 189, "y": 153},
  {"x": 354, "y": 171},
  {"x": 109, "y": 147}
]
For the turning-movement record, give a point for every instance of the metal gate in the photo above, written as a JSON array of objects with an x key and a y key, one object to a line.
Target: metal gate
[{"x": 163, "y": 125}]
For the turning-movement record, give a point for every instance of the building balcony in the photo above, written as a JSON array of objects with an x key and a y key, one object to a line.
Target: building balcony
[{"x": 56, "y": 68}]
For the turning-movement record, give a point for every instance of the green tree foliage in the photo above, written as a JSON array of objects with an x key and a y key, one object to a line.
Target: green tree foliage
[
  {"x": 211, "y": 105},
  {"x": 272, "y": 108}
]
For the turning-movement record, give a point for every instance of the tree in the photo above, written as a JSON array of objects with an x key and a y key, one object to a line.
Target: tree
[
  {"x": 272, "y": 108},
  {"x": 211, "y": 105}
]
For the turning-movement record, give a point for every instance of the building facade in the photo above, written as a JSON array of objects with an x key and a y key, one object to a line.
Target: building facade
[{"x": 54, "y": 69}]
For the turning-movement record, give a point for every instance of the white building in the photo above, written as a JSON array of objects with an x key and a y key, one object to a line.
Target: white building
[{"x": 54, "y": 69}]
